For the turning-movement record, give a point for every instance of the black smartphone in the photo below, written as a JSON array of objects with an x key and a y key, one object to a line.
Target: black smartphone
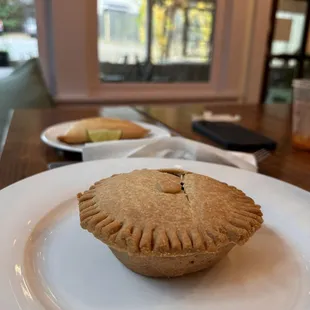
[{"x": 233, "y": 137}]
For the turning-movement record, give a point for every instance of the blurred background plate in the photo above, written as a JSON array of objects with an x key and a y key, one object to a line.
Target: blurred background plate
[{"x": 49, "y": 136}]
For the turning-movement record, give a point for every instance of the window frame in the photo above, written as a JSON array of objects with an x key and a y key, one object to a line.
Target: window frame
[{"x": 69, "y": 56}]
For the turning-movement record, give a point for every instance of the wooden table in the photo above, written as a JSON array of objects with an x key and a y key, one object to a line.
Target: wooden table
[{"x": 25, "y": 155}]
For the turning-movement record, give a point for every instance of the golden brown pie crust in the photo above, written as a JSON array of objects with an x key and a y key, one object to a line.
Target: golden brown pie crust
[{"x": 166, "y": 223}]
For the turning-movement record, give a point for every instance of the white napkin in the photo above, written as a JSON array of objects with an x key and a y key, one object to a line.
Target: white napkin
[
  {"x": 168, "y": 147},
  {"x": 210, "y": 117}
]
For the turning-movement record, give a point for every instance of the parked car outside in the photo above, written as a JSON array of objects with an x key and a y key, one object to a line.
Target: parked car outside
[
  {"x": 1, "y": 27},
  {"x": 30, "y": 27}
]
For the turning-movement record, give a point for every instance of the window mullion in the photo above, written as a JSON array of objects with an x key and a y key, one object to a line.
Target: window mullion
[{"x": 149, "y": 27}]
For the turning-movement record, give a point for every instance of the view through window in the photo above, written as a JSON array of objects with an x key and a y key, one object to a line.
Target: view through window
[
  {"x": 288, "y": 52},
  {"x": 155, "y": 41},
  {"x": 18, "y": 34}
]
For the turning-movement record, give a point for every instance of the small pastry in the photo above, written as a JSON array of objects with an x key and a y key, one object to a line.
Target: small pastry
[
  {"x": 168, "y": 223},
  {"x": 78, "y": 133}
]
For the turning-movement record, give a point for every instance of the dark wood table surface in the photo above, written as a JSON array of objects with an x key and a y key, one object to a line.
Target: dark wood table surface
[{"x": 25, "y": 155}]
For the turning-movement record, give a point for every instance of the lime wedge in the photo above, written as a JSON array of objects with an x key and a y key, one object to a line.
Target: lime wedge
[{"x": 101, "y": 135}]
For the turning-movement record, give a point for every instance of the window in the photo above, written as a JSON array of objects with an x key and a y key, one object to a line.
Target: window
[
  {"x": 119, "y": 44},
  {"x": 18, "y": 33},
  {"x": 288, "y": 58},
  {"x": 159, "y": 50},
  {"x": 173, "y": 43}
]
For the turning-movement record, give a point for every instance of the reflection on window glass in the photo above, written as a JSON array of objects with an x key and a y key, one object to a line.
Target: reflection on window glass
[
  {"x": 281, "y": 75},
  {"x": 286, "y": 45},
  {"x": 289, "y": 27},
  {"x": 18, "y": 34},
  {"x": 173, "y": 44},
  {"x": 306, "y": 70}
]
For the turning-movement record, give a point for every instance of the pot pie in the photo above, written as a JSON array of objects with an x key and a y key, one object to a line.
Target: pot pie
[
  {"x": 168, "y": 223},
  {"x": 79, "y": 131}
]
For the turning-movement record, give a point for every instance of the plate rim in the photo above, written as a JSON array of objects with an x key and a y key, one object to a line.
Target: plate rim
[
  {"x": 70, "y": 148},
  {"x": 69, "y": 167}
]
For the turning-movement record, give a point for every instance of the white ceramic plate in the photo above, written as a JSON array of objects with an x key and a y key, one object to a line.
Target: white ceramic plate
[
  {"x": 48, "y": 262},
  {"x": 49, "y": 135}
]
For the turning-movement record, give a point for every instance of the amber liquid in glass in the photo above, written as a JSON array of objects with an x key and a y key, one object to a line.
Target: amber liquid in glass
[
  {"x": 301, "y": 142},
  {"x": 301, "y": 125}
]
